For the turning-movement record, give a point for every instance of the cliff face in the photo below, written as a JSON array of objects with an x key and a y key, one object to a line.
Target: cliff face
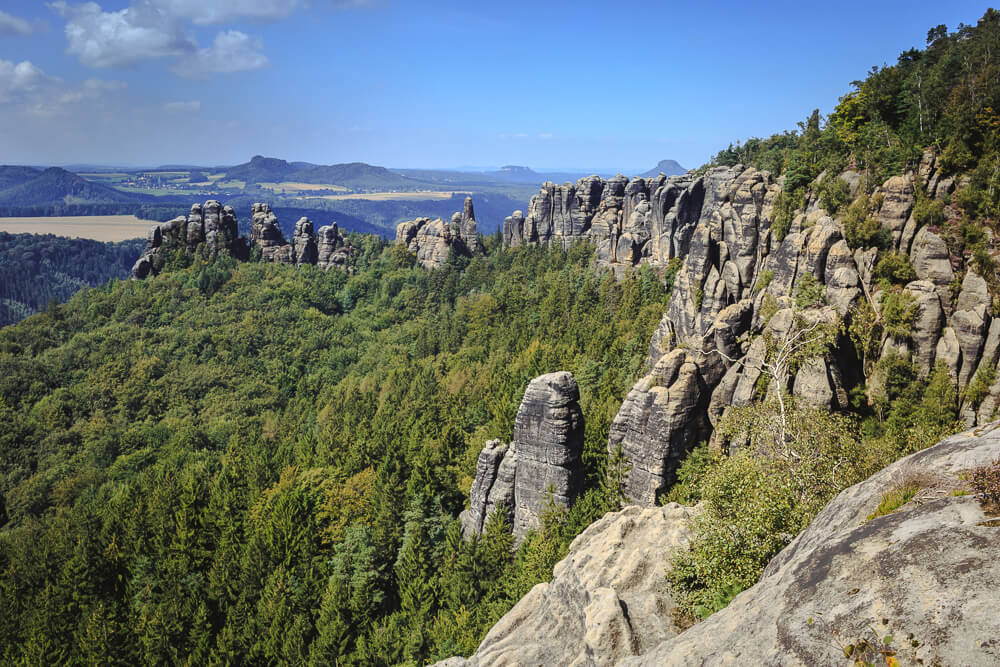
[
  {"x": 738, "y": 281},
  {"x": 216, "y": 227}
]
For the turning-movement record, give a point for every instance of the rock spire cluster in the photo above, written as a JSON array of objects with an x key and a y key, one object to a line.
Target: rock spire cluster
[
  {"x": 433, "y": 240},
  {"x": 216, "y": 227}
]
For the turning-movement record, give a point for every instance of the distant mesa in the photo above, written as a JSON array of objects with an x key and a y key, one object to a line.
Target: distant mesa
[
  {"x": 214, "y": 226},
  {"x": 665, "y": 167},
  {"x": 516, "y": 169}
]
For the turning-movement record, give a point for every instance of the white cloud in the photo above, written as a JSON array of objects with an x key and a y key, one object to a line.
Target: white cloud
[
  {"x": 113, "y": 39},
  {"x": 12, "y": 25},
  {"x": 232, "y": 51},
  {"x": 215, "y": 12},
  {"x": 25, "y": 87},
  {"x": 182, "y": 107}
]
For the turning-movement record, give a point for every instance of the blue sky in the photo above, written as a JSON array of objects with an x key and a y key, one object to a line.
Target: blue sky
[{"x": 572, "y": 85}]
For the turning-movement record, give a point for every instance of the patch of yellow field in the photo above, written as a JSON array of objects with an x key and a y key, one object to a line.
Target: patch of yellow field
[
  {"x": 96, "y": 227},
  {"x": 291, "y": 186},
  {"x": 386, "y": 196}
]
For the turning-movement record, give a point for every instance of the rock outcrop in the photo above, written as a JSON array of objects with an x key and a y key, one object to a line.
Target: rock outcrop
[
  {"x": 211, "y": 225},
  {"x": 606, "y": 600},
  {"x": 215, "y": 227},
  {"x": 928, "y": 574},
  {"x": 433, "y": 240},
  {"x": 739, "y": 281},
  {"x": 543, "y": 461}
]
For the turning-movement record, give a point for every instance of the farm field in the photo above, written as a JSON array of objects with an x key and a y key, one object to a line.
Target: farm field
[
  {"x": 291, "y": 187},
  {"x": 96, "y": 227},
  {"x": 388, "y": 196}
]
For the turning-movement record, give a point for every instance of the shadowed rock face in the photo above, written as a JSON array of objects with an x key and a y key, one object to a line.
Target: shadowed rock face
[
  {"x": 544, "y": 456},
  {"x": 930, "y": 572},
  {"x": 216, "y": 226},
  {"x": 433, "y": 240}
]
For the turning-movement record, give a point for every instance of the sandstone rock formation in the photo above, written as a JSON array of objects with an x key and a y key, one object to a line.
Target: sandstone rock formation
[
  {"x": 216, "y": 227},
  {"x": 544, "y": 458},
  {"x": 433, "y": 240},
  {"x": 738, "y": 282},
  {"x": 928, "y": 574},
  {"x": 606, "y": 600},
  {"x": 210, "y": 224},
  {"x": 265, "y": 234},
  {"x": 304, "y": 243}
]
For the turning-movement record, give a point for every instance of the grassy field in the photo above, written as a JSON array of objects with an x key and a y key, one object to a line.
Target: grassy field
[
  {"x": 96, "y": 227},
  {"x": 387, "y": 196},
  {"x": 291, "y": 187}
]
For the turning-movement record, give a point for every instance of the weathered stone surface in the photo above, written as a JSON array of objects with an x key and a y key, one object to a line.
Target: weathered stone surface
[
  {"x": 493, "y": 487},
  {"x": 660, "y": 420},
  {"x": 970, "y": 322},
  {"x": 929, "y": 256},
  {"x": 949, "y": 351},
  {"x": 927, "y": 573},
  {"x": 304, "y": 243},
  {"x": 265, "y": 234},
  {"x": 331, "y": 249},
  {"x": 606, "y": 600},
  {"x": 545, "y": 455},
  {"x": 897, "y": 202},
  {"x": 927, "y": 327},
  {"x": 433, "y": 240},
  {"x": 548, "y": 439},
  {"x": 209, "y": 224}
]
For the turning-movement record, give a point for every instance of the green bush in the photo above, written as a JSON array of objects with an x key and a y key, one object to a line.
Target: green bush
[
  {"x": 834, "y": 193},
  {"x": 899, "y": 312},
  {"x": 809, "y": 292},
  {"x": 979, "y": 388},
  {"x": 861, "y": 228},
  {"x": 894, "y": 268},
  {"x": 895, "y": 498},
  {"x": 928, "y": 212}
]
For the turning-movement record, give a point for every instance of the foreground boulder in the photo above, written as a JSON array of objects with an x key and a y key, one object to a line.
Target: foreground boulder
[
  {"x": 606, "y": 600},
  {"x": 928, "y": 574},
  {"x": 544, "y": 460}
]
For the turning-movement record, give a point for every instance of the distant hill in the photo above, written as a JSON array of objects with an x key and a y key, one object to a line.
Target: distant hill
[
  {"x": 262, "y": 170},
  {"x": 57, "y": 186},
  {"x": 354, "y": 175},
  {"x": 11, "y": 175},
  {"x": 668, "y": 167}
]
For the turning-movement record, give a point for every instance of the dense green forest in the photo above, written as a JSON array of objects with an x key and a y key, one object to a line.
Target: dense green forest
[
  {"x": 261, "y": 464},
  {"x": 37, "y": 268},
  {"x": 264, "y": 464}
]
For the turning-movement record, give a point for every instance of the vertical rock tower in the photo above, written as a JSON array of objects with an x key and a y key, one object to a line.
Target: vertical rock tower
[{"x": 545, "y": 456}]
